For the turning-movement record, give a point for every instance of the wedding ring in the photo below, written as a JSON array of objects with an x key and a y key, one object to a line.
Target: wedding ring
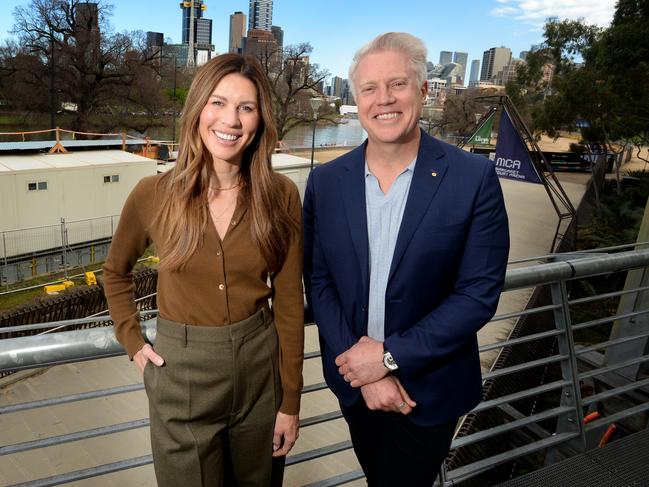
[{"x": 402, "y": 405}]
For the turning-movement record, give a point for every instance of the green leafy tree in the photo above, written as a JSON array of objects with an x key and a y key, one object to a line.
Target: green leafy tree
[
  {"x": 621, "y": 61},
  {"x": 531, "y": 86},
  {"x": 551, "y": 88},
  {"x": 609, "y": 87}
]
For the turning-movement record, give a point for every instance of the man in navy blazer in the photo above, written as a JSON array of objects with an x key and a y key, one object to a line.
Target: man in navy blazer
[{"x": 406, "y": 244}]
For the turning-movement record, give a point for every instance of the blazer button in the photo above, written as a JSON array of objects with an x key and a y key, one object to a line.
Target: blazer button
[{"x": 364, "y": 308}]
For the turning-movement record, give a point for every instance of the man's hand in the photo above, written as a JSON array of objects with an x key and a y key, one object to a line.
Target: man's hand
[
  {"x": 287, "y": 428},
  {"x": 363, "y": 363},
  {"x": 145, "y": 354},
  {"x": 387, "y": 394}
]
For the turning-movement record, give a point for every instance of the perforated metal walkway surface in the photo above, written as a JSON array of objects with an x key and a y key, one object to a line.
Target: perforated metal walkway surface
[{"x": 623, "y": 463}]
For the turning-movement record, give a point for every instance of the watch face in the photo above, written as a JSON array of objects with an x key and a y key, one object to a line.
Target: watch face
[{"x": 389, "y": 362}]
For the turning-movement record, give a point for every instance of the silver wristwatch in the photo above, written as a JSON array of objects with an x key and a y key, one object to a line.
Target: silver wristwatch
[{"x": 388, "y": 361}]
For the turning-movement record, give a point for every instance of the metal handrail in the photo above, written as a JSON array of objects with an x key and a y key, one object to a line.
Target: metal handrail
[{"x": 87, "y": 344}]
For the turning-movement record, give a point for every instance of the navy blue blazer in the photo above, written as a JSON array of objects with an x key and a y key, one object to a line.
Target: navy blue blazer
[{"x": 445, "y": 279}]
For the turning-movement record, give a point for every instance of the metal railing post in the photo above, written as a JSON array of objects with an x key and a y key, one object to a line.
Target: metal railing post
[
  {"x": 570, "y": 395},
  {"x": 442, "y": 481},
  {"x": 4, "y": 254},
  {"x": 63, "y": 249}
]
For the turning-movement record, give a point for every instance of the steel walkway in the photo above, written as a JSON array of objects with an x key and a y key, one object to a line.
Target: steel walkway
[{"x": 623, "y": 463}]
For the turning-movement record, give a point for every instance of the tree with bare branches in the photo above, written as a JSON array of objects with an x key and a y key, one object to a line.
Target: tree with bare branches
[
  {"x": 79, "y": 60},
  {"x": 293, "y": 80},
  {"x": 462, "y": 111}
]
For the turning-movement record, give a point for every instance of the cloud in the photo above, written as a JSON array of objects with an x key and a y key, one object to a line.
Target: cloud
[
  {"x": 535, "y": 12},
  {"x": 504, "y": 11}
]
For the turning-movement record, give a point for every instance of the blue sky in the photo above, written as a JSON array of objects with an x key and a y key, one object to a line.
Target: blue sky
[{"x": 336, "y": 28}]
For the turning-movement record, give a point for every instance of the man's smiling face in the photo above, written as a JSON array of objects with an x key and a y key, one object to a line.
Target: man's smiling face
[{"x": 389, "y": 97}]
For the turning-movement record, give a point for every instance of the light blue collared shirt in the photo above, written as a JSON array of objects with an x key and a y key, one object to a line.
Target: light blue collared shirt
[{"x": 384, "y": 215}]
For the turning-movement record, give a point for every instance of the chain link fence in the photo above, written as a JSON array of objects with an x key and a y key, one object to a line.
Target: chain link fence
[{"x": 32, "y": 252}]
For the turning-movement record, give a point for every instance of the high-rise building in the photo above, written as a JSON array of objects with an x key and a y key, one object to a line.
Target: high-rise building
[
  {"x": 475, "y": 70},
  {"x": 494, "y": 60},
  {"x": 435, "y": 88},
  {"x": 154, "y": 39},
  {"x": 203, "y": 33},
  {"x": 508, "y": 73},
  {"x": 337, "y": 86},
  {"x": 261, "y": 44},
  {"x": 198, "y": 7},
  {"x": 237, "y": 32},
  {"x": 154, "y": 43},
  {"x": 347, "y": 96},
  {"x": 452, "y": 73},
  {"x": 204, "y": 47},
  {"x": 177, "y": 53},
  {"x": 197, "y": 34},
  {"x": 260, "y": 14},
  {"x": 278, "y": 34},
  {"x": 445, "y": 57},
  {"x": 461, "y": 58}
]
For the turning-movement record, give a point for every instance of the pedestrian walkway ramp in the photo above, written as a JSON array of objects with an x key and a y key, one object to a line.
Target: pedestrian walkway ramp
[{"x": 624, "y": 463}]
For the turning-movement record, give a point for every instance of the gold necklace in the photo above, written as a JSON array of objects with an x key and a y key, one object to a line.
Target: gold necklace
[
  {"x": 227, "y": 189},
  {"x": 220, "y": 215}
]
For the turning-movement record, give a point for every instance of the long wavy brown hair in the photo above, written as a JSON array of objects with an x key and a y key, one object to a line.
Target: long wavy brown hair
[{"x": 184, "y": 214}]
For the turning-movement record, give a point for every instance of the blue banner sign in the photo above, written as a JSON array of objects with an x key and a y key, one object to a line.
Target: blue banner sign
[{"x": 512, "y": 158}]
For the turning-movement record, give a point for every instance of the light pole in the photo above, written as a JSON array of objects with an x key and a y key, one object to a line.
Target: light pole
[
  {"x": 315, "y": 105},
  {"x": 52, "y": 88},
  {"x": 173, "y": 119}
]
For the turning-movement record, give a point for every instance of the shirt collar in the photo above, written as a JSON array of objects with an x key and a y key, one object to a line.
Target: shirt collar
[{"x": 410, "y": 167}]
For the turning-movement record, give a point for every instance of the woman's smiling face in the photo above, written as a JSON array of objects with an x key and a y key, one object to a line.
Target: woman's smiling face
[{"x": 229, "y": 121}]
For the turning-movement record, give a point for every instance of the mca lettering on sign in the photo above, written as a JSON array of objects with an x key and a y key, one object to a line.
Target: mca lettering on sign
[
  {"x": 508, "y": 163},
  {"x": 509, "y": 168}
]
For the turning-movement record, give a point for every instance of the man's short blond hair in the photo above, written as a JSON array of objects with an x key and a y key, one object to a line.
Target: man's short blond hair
[{"x": 402, "y": 42}]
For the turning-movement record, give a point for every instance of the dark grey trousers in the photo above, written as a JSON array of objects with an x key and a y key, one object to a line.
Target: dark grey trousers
[{"x": 213, "y": 403}]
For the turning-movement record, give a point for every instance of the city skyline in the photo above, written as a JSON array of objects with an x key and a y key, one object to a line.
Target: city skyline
[{"x": 482, "y": 25}]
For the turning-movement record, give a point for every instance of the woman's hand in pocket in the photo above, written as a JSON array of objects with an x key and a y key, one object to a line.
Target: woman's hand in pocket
[{"x": 145, "y": 354}]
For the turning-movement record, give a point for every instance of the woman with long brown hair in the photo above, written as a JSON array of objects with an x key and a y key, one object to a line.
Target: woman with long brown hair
[{"x": 225, "y": 373}]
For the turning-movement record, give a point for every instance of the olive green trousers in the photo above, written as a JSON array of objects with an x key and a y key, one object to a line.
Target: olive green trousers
[{"x": 213, "y": 403}]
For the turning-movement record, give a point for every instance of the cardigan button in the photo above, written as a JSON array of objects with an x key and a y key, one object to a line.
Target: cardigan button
[{"x": 221, "y": 287}]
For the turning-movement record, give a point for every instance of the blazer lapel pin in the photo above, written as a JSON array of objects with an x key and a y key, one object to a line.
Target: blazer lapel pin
[{"x": 434, "y": 174}]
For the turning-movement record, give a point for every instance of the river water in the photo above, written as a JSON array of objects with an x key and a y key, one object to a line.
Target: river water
[{"x": 347, "y": 134}]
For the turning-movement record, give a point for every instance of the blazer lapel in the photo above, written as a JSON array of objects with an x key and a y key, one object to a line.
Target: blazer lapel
[
  {"x": 352, "y": 186},
  {"x": 429, "y": 172}
]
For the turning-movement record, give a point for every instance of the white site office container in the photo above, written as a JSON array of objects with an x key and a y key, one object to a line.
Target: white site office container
[{"x": 37, "y": 190}]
